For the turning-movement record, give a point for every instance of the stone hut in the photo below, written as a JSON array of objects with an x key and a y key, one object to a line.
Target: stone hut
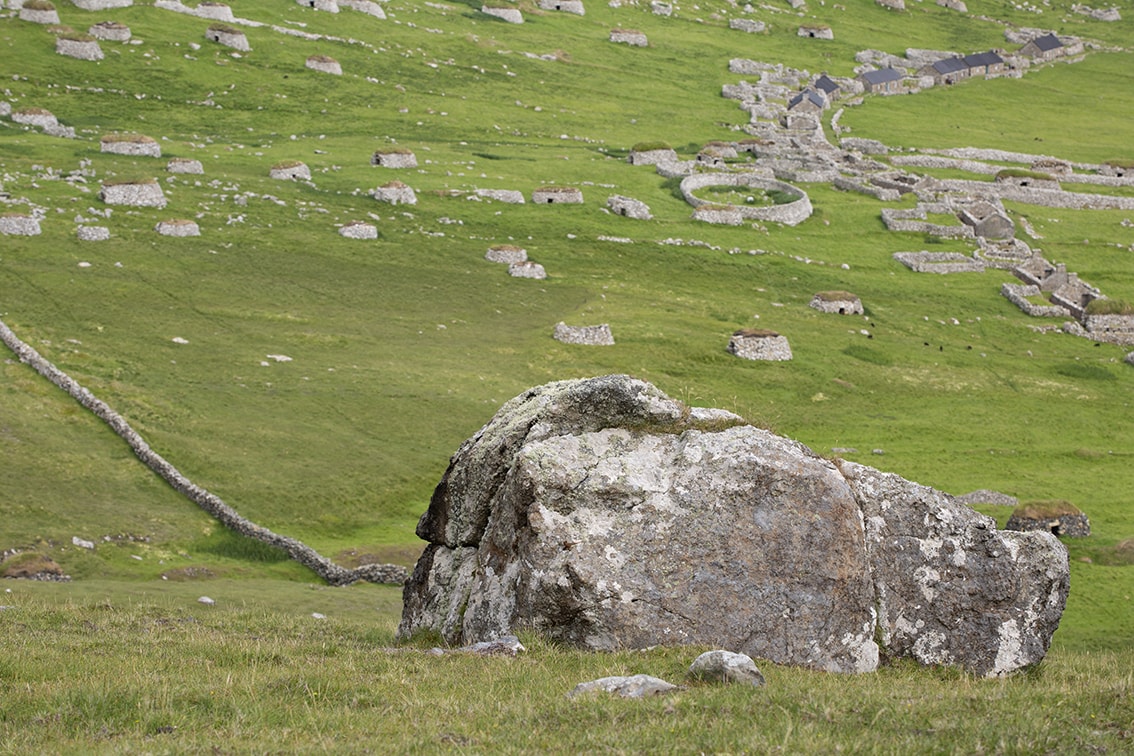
[
  {"x": 39, "y": 12},
  {"x": 34, "y": 117},
  {"x": 1030, "y": 179},
  {"x": 79, "y": 46},
  {"x": 892, "y": 4},
  {"x": 945, "y": 71},
  {"x": 110, "y": 31},
  {"x": 557, "y": 195},
  {"x": 987, "y": 220},
  {"x": 659, "y": 8},
  {"x": 506, "y": 253},
  {"x": 1046, "y": 47},
  {"x": 364, "y": 6},
  {"x": 828, "y": 87},
  {"x": 130, "y": 144},
  {"x": 567, "y": 6},
  {"x": 18, "y": 224},
  {"x": 229, "y": 36},
  {"x": 631, "y": 208},
  {"x": 1107, "y": 326},
  {"x": 596, "y": 335},
  {"x": 651, "y": 155},
  {"x": 92, "y": 233},
  {"x": 759, "y": 344},
  {"x": 214, "y": 11},
  {"x": 837, "y": 302},
  {"x": 526, "y": 269},
  {"x": 325, "y": 64},
  {"x": 184, "y": 165},
  {"x": 290, "y": 169},
  {"x": 511, "y": 15},
  {"x": 957, "y": 5},
  {"x": 327, "y": 6},
  {"x": 508, "y": 196},
  {"x": 815, "y": 31},
  {"x": 133, "y": 193},
  {"x": 747, "y": 25},
  {"x": 178, "y": 227},
  {"x": 396, "y": 193},
  {"x": 394, "y": 157},
  {"x": 631, "y": 37},
  {"x": 1060, "y": 518},
  {"x": 985, "y": 64},
  {"x": 358, "y": 230}
]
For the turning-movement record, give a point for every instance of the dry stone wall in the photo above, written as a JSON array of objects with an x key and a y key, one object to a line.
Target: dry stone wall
[
  {"x": 140, "y": 146},
  {"x": 508, "y": 196},
  {"x": 566, "y": 6},
  {"x": 557, "y": 196},
  {"x": 394, "y": 159},
  {"x": 102, "y": 5},
  {"x": 596, "y": 335},
  {"x": 229, "y": 38},
  {"x": 359, "y": 230},
  {"x": 140, "y": 194},
  {"x": 1018, "y": 295},
  {"x": 364, "y": 6},
  {"x": 81, "y": 49},
  {"x": 747, "y": 25},
  {"x": 184, "y": 165},
  {"x": 396, "y": 193},
  {"x": 939, "y": 262},
  {"x": 18, "y": 224},
  {"x": 790, "y": 214},
  {"x": 760, "y": 346},
  {"x": 36, "y": 16},
  {"x": 290, "y": 172},
  {"x": 178, "y": 227},
  {"x": 506, "y": 253},
  {"x": 92, "y": 233},
  {"x": 630, "y": 37},
  {"x": 631, "y": 208},
  {"x": 214, "y": 11},
  {"x": 527, "y": 269},
  {"x": 110, "y": 31},
  {"x": 652, "y": 157}
]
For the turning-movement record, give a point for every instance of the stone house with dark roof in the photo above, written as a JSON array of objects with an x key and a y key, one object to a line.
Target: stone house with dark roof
[
  {"x": 827, "y": 86},
  {"x": 945, "y": 71},
  {"x": 1044, "y": 48},
  {"x": 807, "y": 101},
  {"x": 984, "y": 64},
  {"x": 882, "y": 81}
]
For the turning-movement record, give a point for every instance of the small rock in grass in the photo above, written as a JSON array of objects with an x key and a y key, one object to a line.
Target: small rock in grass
[
  {"x": 206, "y": 601},
  {"x": 635, "y": 686},
  {"x": 725, "y": 667}
]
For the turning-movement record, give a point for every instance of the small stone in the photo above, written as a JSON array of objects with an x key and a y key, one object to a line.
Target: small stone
[
  {"x": 507, "y": 645},
  {"x": 317, "y": 615},
  {"x": 75, "y": 540},
  {"x": 635, "y": 686},
  {"x": 206, "y": 601},
  {"x": 725, "y": 667}
]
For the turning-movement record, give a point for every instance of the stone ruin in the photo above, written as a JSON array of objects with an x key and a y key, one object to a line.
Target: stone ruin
[
  {"x": 110, "y": 31},
  {"x": 892, "y": 4},
  {"x": 792, "y": 213},
  {"x": 394, "y": 157},
  {"x": 18, "y": 224},
  {"x": 290, "y": 170},
  {"x": 184, "y": 165},
  {"x": 605, "y": 515},
  {"x": 566, "y": 6},
  {"x": 228, "y": 36},
  {"x": 41, "y": 13},
  {"x": 178, "y": 227},
  {"x": 630, "y": 208},
  {"x": 396, "y": 193},
  {"x": 836, "y": 302},
  {"x": 939, "y": 262},
  {"x": 1058, "y": 518},
  {"x": 364, "y": 6},
  {"x": 214, "y": 11},
  {"x": 506, "y": 253},
  {"x": 957, "y": 5},
  {"x": 130, "y": 144},
  {"x": 631, "y": 37},
  {"x": 526, "y": 269},
  {"x": 557, "y": 195},
  {"x": 327, "y": 6},
  {"x": 358, "y": 230},
  {"x": 509, "y": 196},
  {"x": 102, "y": 5},
  {"x": 510, "y": 15},
  {"x": 721, "y": 215},
  {"x": 79, "y": 47},
  {"x": 324, "y": 64},
  {"x": 815, "y": 32},
  {"x": 596, "y": 335},
  {"x": 92, "y": 233},
  {"x": 659, "y": 8},
  {"x": 133, "y": 193},
  {"x": 34, "y": 117},
  {"x": 985, "y": 496},
  {"x": 747, "y": 25},
  {"x": 652, "y": 156},
  {"x": 759, "y": 344}
]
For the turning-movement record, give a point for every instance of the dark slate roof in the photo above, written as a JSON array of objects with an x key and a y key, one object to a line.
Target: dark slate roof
[
  {"x": 980, "y": 60},
  {"x": 950, "y": 66},
  {"x": 1047, "y": 42},
  {"x": 826, "y": 85},
  {"x": 881, "y": 76},
  {"x": 808, "y": 94}
]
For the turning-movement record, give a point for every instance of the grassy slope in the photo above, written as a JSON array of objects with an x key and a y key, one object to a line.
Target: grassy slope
[{"x": 342, "y": 446}]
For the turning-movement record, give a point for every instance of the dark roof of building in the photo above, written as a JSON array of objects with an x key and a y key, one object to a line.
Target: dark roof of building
[
  {"x": 1047, "y": 42},
  {"x": 808, "y": 95},
  {"x": 950, "y": 66},
  {"x": 881, "y": 76},
  {"x": 979, "y": 60},
  {"x": 826, "y": 84}
]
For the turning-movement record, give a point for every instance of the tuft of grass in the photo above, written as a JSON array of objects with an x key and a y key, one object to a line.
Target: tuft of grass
[
  {"x": 757, "y": 333},
  {"x": 651, "y": 146},
  {"x": 835, "y": 295},
  {"x": 1110, "y": 307},
  {"x": 224, "y": 29},
  {"x": 28, "y": 564},
  {"x": 1006, "y": 173},
  {"x": 285, "y": 164},
  {"x": 128, "y": 138},
  {"x": 39, "y": 5},
  {"x": 1040, "y": 509}
]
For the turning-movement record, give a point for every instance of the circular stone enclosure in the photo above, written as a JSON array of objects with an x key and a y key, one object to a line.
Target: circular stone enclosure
[{"x": 791, "y": 212}]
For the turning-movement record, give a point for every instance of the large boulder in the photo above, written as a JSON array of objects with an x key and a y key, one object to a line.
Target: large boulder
[{"x": 606, "y": 515}]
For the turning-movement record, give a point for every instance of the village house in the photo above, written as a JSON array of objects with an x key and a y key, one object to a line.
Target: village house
[
  {"x": 807, "y": 101},
  {"x": 882, "y": 81},
  {"x": 987, "y": 220},
  {"x": 984, "y": 64},
  {"x": 827, "y": 86},
  {"x": 1046, "y": 47},
  {"x": 945, "y": 71}
]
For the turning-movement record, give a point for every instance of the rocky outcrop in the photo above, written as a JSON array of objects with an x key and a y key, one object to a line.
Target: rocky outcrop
[
  {"x": 596, "y": 335},
  {"x": 606, "y": 515},
  {"x": 18, "y": 224},
  {"x": 133, "y": 193},
  {"x": 506, "y": 253},
  {"x": 184, "y": 165},
  {"x": 178, "y": 227},
  {"x": 359, "y": 230},
  {"x": 325, "y": 64},
  {"x": 527, "y": 269},
  {"x": 511, "y": 15}
]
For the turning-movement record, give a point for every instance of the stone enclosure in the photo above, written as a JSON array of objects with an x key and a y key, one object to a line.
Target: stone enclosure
[
  {"x": 790, "y": 214},
  {"x": 759, "y": 344}
]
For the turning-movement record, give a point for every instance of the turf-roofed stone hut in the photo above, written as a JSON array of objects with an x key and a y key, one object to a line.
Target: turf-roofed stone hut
[
  {"x": 359, "y": 230},
  {"x": 394, "y": 157},
  {"x": 815, "y": 31},
  {"x": 507, "y": 196},
  {"x": 327, "y": 6},
  {"x": 631, "y": 37},
  {"x": 110, "y": 31},
  {"x": 184, "y": 165},
  {"x": 506, "y": 253},
  {"x": 527, "y": 269},
  {"x": 957, "y": 5},
  {"x": 892, "y": 4},
  {"x": 214, "y": 11},
  {"x": 138, "y": 145},
  {"x": 1060, "y": 518},
  {"x": 837, "y": 302},
  {"x": 290, "y": 170},
  {"x": 628, "y": 207},
  {"x": 557, "y": 195},
  {"x": 92, "y": 233},
  {"x": 651, "y": 153},
  {"x": 759, "y": 344},
  {"x": 79, "y": 46},
  {"x": 39, "y": 12},
  {"x": 596, "y": 335},
  {"x": 396, "y": 193},
  {"x": 18, "y": 224},
  {"x": 566, "y": 6},
  {"x": 364, "y": 6},
  {"x": 748, "y": 25},
  {"x": 229, "y": 36},
  {"x": 510, "y": 15},
  {"x": 144, "y": 193},
  {"x": 324, "y": 64},
  {"x": 34, "y": 117},
  {"x": 178, "y": 227}
]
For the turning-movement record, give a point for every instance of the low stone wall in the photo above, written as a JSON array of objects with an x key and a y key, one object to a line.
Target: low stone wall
[
  {"x": 721, "y": 216},
  {"x": 19, "y": 225},
  {"x": 184, "y": 165},
  {"x": 359, "y": 230},
  {"x": 629, "y": 37},
  {"x": 396, "y": 193},
  {"x": 324, "y": 64},
  {"x": 631, "y": 208},
  {"x": 865, "y": 146},
  {"x": 526, "y": 269},
  {"x": 566, "y": 6},
  {"x": 557, "y": 196},
  {"x": 509, "y": 196},
  {"x": 772, "y": 347},
  {"x": 139, "y": 146},
  {"x": 80, "y": 49},
  {"x": 143, "y": 194},
  {"x": 178, "y": 227},
  {"x": 939, "y": 262},
  {"x": 1017, "y": 294},
  {"x": 394, "y": 159},
  {"x": 596, "y": 335},
  {"x": 506, "y": 253},
  {"x": 102, "y": 5},
  {"x": 791, "y": 214},
  {"x": 290, "y": 172},
  {"x": 747, "y": 25},
  {"x": 110, "y": 31},
  {"x": 364, "y": 6},
  {"x": 652, "y": 157},
  {"x": 1108, "y": 324},
  {"x": 511, "y": 15},
  {"x": 914, "y": 221},
  {"x": 848, "y": 184},
  {"x": 92, "y": 233}
]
